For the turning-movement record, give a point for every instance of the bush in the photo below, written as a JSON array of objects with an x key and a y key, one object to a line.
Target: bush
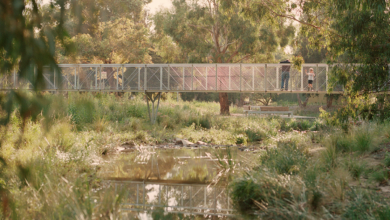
[
  {"x": 329, "y": 157},
  {"x": 202, "y": 121},
  {"x": 287, "y": 158},
  {"x": 356, "y": 168},
  {"x": 380, "y": 176},
  {"x": 252, "y": 194},
  {"x": 363, "y": 141},
  {"x": 366, "y": 205},
  {"x": 240, "y": 139},
  {"x": 255, "y": 135},
  {"x": 386, "y": 161},
  {"x": 343, "y": 144}
]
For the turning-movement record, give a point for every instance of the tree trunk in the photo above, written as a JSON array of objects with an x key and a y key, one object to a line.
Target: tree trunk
[
  {"x": 224, "y": 103},
  {"x": 329, "y": 101},
  {"x": 302, "y": 104},
  {"x": 241, "y": 102}
]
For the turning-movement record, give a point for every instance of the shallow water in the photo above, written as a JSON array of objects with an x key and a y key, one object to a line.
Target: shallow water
[
  {"x": 188, "y": 181},
  {"x": 199, "y": 165}
]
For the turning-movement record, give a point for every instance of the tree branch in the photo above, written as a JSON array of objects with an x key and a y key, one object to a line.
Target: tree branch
[{"x": 245, "y": 57}]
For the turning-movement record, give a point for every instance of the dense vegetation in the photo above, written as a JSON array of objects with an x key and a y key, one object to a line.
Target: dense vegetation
[
  {"x": 51, "y": 146},
  {"x": 308, "y": 169}
]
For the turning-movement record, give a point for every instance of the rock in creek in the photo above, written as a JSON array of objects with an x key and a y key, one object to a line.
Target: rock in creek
[
  {"x": 128, "y": 145},
  {"x": 183, "y": 142},
  {"x": 201, "y": 143}
]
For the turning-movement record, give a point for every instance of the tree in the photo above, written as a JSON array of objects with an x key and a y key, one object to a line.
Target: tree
[
  {"x": 309, "y": 53},
  {"x": 353, "y": 32},
  {"x": 28, "y": 46},
  {"x": 264, "y": 98},
  {"x": 84, "y": 16},
  {"x": 213, "y": 33}
]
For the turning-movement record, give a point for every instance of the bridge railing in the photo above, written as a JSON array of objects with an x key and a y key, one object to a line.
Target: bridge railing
[{"x": 175, "y": 77}]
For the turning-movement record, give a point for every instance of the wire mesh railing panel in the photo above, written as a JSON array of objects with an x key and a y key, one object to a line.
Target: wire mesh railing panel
[
  {"x": 165, "y": 78},
  {"x": 187, "y": 77},
  {"x": 222, "y": 200},
  {"x": 295, "y": 80},
  {"x": 109, "y": 78},
  {"x": 223, "y": 78},
  {"x": 228, "y": 77},
  {"x": 272, "y": 80},
  {"x": 186, "y": 200},
  {"x": 247, "y": 78},
  {"x": 88, "y": 78},
  {"x": 337, "y": 87},
  {"x": 49, "y": 78},
  {"x": 132, "y": 78},
  {"x": 211, "y": 196},
  {"x": 153, "y": 78},
  {"x": 173, "y": 197},
  {"x": 234, "y": 77},
  {"x": 200, "y": 78},
  {"x": 211, "y": 73},
  {"x": 7, "y": 80},
  {"x": 68, "y": 78},
  {"x": 259, "y": 77},
  {"x": 320, "y": 79},
  {"x": 176, "y": 79},
  {"x": 133, "y": 194},
  {"x": 199, "y": 199}
]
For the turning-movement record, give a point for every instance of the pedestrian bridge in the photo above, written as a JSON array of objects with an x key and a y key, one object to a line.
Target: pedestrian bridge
[{"x": 175, "y": 78}]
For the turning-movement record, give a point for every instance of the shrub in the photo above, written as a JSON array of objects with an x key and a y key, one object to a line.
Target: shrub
[
  {"x": 255, "y": 135},
  {"x": 287, "y": 158},
  {"x": 343, "y": 144},
  {"x": 355, "y": 168},
  {"x": 202, "y": 121},
  {"x": 386, "y": 161},
  {"x": 380, "y": 176},
  {"x": 251, "y": 194},
  {"x": 366, "y": 205},
  {"x": 363, "y": 141},
  {"x": 329, "y": 157},
  {"x": 241, "y": 139}
]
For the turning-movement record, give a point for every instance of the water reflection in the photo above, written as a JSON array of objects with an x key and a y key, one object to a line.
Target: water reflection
[
  {"x": 189, "y": 181},
  {"x": 168, "y": 166}
]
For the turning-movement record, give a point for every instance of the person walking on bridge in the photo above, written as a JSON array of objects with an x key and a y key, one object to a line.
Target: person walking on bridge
[{"x": 285, "y": 75}]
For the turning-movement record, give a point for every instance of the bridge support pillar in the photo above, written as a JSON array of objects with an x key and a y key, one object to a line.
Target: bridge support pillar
[{"x": 152, "y": 96}]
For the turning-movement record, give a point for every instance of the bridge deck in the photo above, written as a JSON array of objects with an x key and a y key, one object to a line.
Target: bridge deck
[{"x": 176, "y": 78}]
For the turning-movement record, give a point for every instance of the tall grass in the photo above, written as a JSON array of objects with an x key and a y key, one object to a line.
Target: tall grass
[{"x": 54, "y": 173}]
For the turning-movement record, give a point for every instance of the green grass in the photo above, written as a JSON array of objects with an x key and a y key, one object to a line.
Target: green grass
[{"x": 50, "y": 172}]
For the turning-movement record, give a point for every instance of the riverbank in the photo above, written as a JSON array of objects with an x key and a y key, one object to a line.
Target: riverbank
[{"x": 49, "y": 168}]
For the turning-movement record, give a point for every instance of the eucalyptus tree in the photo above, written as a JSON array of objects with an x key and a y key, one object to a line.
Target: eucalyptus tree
[
  {"x": 209, "y": 32},
  {"x": 354, "y": 31}
]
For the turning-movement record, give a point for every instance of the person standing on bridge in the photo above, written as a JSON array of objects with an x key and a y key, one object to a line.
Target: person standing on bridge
[
  {"x": 310, "y": 75},
  {"x": 285, "y": 74}
]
